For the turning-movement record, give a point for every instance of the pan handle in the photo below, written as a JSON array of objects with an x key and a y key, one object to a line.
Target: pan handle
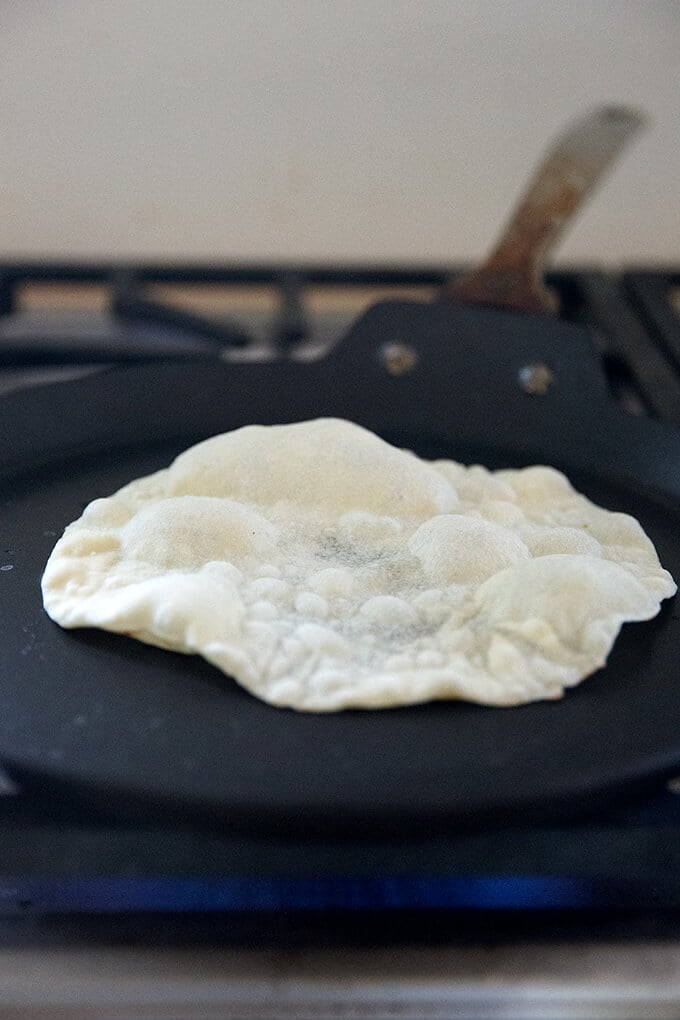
[{"x": 512, "y": 275}]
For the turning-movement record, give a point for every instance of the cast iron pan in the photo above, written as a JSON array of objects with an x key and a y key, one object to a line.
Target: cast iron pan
[{"x": 129, "y": 727}]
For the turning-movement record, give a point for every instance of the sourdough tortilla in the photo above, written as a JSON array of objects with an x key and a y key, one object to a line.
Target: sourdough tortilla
[{"x": 324, "y": 569}]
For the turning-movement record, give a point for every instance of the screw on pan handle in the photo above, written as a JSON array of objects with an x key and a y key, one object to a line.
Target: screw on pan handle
[{"x": 512, "y": 275}]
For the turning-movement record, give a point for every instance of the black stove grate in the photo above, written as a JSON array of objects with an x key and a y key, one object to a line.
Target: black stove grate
[{"x": 145, "y": 311}]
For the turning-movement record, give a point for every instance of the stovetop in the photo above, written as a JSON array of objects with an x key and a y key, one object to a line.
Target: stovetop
[
  {"x": 68, "y": 872},
  {"x": 58, "y": 319},
  {"x": 614, "y": 874}
]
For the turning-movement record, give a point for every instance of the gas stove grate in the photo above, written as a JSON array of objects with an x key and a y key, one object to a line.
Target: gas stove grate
[{"x": 75, "y": 314}]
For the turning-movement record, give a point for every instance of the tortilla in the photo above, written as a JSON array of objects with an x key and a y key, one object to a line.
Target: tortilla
[{"x": 325, "y": 569}]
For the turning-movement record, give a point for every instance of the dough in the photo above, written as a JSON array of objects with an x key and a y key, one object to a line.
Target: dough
[{"x": 324, "y": 569}]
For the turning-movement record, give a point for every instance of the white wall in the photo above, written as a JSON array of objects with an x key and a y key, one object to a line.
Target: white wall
[{"x": 363, "y": 129}]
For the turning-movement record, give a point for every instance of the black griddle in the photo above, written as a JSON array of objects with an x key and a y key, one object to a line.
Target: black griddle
[{"x": 139, "y": 730}]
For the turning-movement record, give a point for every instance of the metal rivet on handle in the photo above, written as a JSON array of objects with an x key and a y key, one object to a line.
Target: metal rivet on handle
[
  {"x": 536, "y": 379},
  {"x": 398, "y": 358}
]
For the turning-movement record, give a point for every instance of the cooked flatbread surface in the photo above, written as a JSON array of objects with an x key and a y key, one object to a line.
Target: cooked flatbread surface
[{"x": 323, "y": 569}]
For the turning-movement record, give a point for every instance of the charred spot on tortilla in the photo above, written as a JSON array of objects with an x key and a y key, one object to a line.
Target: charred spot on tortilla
[{"x": 325, "y": 569}]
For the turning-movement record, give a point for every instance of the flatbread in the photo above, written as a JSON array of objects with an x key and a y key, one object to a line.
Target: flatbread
[{"x": 323, "y": 569}]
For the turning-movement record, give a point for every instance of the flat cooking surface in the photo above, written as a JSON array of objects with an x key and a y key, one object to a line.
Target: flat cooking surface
[{"x": 129, "y": 725}]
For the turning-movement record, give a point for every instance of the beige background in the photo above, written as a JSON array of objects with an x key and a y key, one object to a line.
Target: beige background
[{"x": 331, "y": 129}]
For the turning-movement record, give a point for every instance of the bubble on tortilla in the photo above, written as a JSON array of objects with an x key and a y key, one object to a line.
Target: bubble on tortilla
[{"x": 324, "y": 569}]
